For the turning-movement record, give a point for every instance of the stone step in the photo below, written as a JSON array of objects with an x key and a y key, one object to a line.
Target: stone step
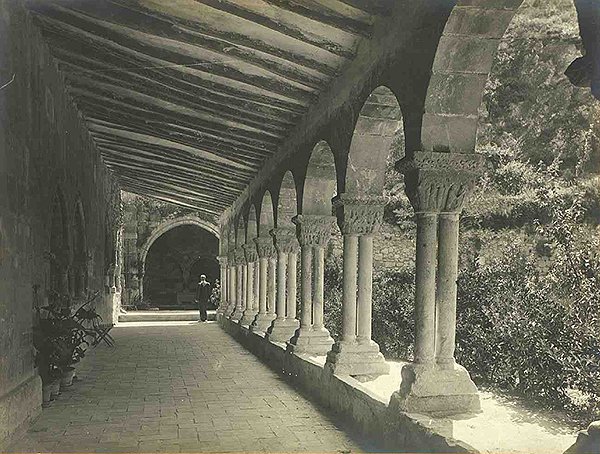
[{"x": 164, "y": 316}]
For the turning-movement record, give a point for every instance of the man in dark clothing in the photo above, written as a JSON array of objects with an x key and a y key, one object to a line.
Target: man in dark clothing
[{"x": 202, "y": 296}]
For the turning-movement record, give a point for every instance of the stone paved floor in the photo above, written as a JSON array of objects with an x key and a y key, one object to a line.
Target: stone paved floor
[{"x": 180, "y": 387}]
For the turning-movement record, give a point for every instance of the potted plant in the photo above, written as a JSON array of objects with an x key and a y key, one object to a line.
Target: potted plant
[{"x": 62, "y": 335}]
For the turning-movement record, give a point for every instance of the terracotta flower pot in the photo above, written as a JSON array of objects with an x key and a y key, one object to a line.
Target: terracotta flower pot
[{"x": 67, "y": 378}]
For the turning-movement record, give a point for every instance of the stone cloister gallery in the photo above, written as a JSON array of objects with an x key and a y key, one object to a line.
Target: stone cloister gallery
[{"x": 273, "y": 119}]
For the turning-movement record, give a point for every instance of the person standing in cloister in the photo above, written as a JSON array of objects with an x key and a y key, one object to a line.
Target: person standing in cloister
[{"x": 202, "y": 296}]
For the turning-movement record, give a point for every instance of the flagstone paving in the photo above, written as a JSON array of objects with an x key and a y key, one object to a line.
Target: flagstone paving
[{"x": 180, "y": 387}]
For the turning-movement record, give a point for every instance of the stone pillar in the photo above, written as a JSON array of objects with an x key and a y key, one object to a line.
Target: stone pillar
[
  {"x": 437, "y": 185},
  {"x": 285, "y": 325},
  {"x": 266, "y": 250},
  {"x": 240, "y": 303},
  {"x": 251, "y": 259},
  {"x": 359, "y": 216},
  {"x": 313, "y": 232},
  {"x": 272, "y": 287},
  {"x": 223, "y": 268},
  {"x": 232, "y": 285}
]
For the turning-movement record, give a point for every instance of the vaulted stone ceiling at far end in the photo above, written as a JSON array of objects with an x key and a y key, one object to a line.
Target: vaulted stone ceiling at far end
[{"x": 187, "y": 99}]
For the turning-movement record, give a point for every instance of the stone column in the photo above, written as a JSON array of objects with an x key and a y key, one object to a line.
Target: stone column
[
  {"x": 232, "y": 284},
  {"x": 240, "y": 300},
  {"x": 223, "y": 268},
  {"x": 291, "y": 288},
  {"x": 251, "y": 258},
  {"x": 284, "y": 326},
  {"x": 272, "y": 287},
  {"x": 313, "y": 232},
  {"x": 266, "y": 250},
  {"x": 446, "y": 303},
  {"x": 359, "y": 216},
  {"x": 437, "y": 185}
]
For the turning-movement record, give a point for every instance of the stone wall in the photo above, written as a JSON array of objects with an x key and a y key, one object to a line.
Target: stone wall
[
  {"x": 47, "y": 160},
  {"x": 393, "y": 248}
]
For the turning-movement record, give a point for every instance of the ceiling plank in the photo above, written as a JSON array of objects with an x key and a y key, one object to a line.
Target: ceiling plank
[
  {"x": 203, "y": 175},
  {"x": 174, "y": 157},
  {"x": 246, "y": 156},
  {"x": 373, "y": 7},
  {"x": 111, "y": 42},
  {"x": 129, "y": 19},
  {"x": 325, "y": 16},
  {"x": 156, "y": 113},
  {"x": 237, "y": 38},
  {"x": 279, "y": 27},
  {"x": 157, "y": 174}
]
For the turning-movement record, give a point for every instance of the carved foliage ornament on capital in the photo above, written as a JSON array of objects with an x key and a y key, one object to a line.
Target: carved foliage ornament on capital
[
  {"x": 250, "y": 252},
  {"x": 240, "y": 256},
  {"x": 223, "y": 259},
  {"x": 285, "y": 240},
  {"x": 440, "y": 182},
  {"x": 314, "y": 230},
  {"x": 231, "y": 258},
  {"x": 265, "y": 247},
  {"x": 359, "y": 214}
]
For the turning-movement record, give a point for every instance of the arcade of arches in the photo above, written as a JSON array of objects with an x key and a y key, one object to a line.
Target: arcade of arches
[{"x": 272, "y": 121}]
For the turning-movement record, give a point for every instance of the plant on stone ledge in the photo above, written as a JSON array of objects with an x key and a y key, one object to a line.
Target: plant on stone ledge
[{"x": 62, "y": 335}]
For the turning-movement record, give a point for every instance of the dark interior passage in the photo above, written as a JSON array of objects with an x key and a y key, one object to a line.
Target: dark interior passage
[{"x": 173, "y": 265}]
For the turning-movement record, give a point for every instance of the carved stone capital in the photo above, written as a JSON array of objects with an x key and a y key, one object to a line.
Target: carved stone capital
[
  {"x": 240, "y": 256},
  {"x": 314, "y": 229},
  {"x": 250, "y": 252},
  {"x": 265, "y": 247},
  {"x": 440, "y": 182},
  {"x": 358, "y": 213},
  {"x": 223, "y": 259},
  {"x": 231, "y": 257},
  {"x": 285, "y": 239}
]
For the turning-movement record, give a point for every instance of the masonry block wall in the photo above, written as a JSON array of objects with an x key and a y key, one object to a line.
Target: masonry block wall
[{"x": 46, "y": 157}]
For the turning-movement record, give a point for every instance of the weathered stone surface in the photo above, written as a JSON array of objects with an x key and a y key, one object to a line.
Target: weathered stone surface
[{"x": 358, "y": 213}]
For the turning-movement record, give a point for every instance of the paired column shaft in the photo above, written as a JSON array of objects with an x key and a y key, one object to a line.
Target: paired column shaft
[
  {"x": 349, "y": 289},
  {"x": 282, "y": 259},
  {"x": 291, "y": 286},
  {"x": 446, "y": 303},
  {"x": 305, "y": 289},
  {"x": 365, "y": 288},
  {"x": 425, "y": 287}
]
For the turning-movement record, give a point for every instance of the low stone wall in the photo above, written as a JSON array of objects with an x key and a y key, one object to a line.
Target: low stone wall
[
  {"x": 375, "y": 424},
  {"x": 19, "y": 408}
]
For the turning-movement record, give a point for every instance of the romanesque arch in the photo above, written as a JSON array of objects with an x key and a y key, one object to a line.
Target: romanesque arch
[
  {"x": 320, "y": 182},
  {"x": 161, "y": 230},
  {"x": 378, "y": 123},
  {"x": 461, "y": 68},
  {"x": 287, "y": 202},
  {"x": 171, "y": 224}
]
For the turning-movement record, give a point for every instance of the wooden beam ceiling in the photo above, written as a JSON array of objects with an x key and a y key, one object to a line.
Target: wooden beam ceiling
[{"x": 188, "y": 99}]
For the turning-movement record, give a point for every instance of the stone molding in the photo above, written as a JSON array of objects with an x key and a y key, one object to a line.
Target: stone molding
[
  {"x": 223, "y": 260},
  {"x": 314, "y": 229},
  {"x": 440, "y": 182},
  {"x": 360, "y": 214},
  {"x": 285, "y": 240},
  {"x": 250, "y": 252},
  {"x": 265, "y": 247}
]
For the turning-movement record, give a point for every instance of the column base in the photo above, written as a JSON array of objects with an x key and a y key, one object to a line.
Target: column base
[
  {"x": 435, "y": 391},
  {"x": 357, "y": 359},
  {"x": 248, "y": 318},
  {"x": 311, "y": 342},
  {"x": 237, "y": 315},
  {"x": 282, "y": 330},
  {"x": 262, "y": 322}
]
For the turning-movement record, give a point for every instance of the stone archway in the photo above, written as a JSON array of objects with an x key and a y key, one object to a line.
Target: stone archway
[{"x": 164, "y": 228}]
